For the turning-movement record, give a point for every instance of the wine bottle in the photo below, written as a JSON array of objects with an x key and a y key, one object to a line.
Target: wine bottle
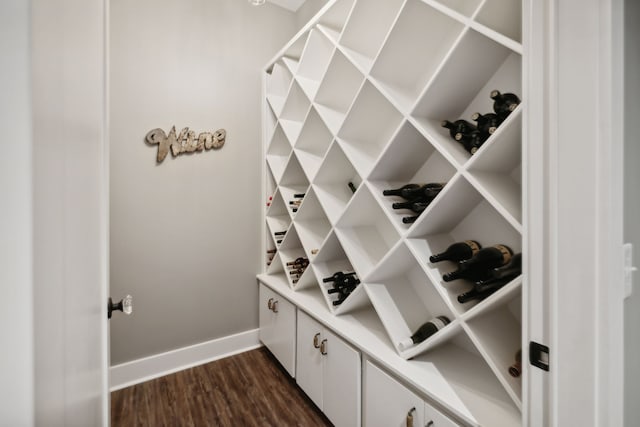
[
  {"x": 487, "y": 123},
  {"x": 474, "y": 294},
  {"x": 409, "y": 219},
  {"x": 299, "y": 195},
  {"x": 502, "y": 275},
  {"x": 425, "y": 331},
  {"x": 416, "y": 206},
  {"x": 271, "y": 251},
  {"x": 421, "y": 192},
  {"x": 477, "y": 268},
  {"x": 299, "y": 261},
  {"x": 403, "y": 191},
  {"x": 457, "y": 252},
  {"x": 352, "y": 187},
  {"x": 337, "y": 276},
  {"x": 471, "y": 141},
  {"x": 515, "y": 370},
  {"x": 459, "y": 126},
  {"x": 504, "y": 103}
]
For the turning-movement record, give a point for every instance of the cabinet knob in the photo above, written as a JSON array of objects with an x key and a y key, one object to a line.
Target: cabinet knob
[
  {"x": 125, "y": 305},
  {"x": 430, "y": 424},
  {"x": 274, "y": 306},
  {"x": 410, "y": 417},
  {"x": 270, "y": 303},
  {"x": 316, "y": 337},
  {"x": 323, "y": 347}
]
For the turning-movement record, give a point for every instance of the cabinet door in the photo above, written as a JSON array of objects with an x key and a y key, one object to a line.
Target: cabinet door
[
  {"x": 309, "y": 359},
  {"x": 278, "y": 327},
  {"x": 435, "y": 418},
  {"x": 266, "y": 316},
  {"x": 342, "y": 378},
  {"x": 387, "y": 403}
]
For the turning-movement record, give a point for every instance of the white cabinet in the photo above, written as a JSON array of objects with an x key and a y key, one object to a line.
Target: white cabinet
[
  {"x": 328, "y": 372},
  {"x": 278, "y": 327},
  {"x": 387, "y": 403}
]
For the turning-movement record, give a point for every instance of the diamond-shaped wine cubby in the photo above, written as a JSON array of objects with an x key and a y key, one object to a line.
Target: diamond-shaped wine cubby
[
  {"x": 269, "y": 185},
  {"x": 464, "y": 7},
  {"x": 331, "y": 184},
  {"x": 460, "y": 214},
  {"x": 498, "y": 168},
  {"x": 292, "y": 254},
  {"x": 312, "y": 144},
  {"x": 358, "y": 41},
  {"x": 313, "y": 63},
  {"x": 499, "y": 350},
  {"x": 365, "y": 232},
  {"x": 405, "y": 299},
  {"x": 293, "y": 185},
  {"x": 275, "y": 267},
  {"x": 294, "y": 112},
  {"x": 497, "y": 15},
  {"x": 462, "y": 87},
  {"x": 277, "y": 217},
  {"x": 312, "y": 224},
  {"x": 271, "y": 121},
  {"x": 333, "y": 20},
  {"x": 368, "y": 128},
  {"x": 475, "y": 391},
  {"x": 278, "y": 153},
  {"x": 411, "y": 54},
  {"x": 278, "y": 83},
  {"x": 332, "y": 259},
  {"x": 409, "y": 159},
  {"x": 337, "y": 91}
]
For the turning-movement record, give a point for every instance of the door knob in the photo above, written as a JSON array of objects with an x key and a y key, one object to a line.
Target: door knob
[{"x": 125, "y": 305}]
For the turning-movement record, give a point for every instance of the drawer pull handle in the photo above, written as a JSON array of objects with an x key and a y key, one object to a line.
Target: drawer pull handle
[
  {"x": 410, "y": 417},
  {"x": 270, "y": 303},
  {"x": 274, "y": 306},
  {"x": 430, "y": 424},
  {"x": 323, "y": 347},
  {"x": 315, "y": 340}
]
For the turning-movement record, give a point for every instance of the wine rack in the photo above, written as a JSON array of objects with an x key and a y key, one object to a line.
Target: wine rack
[{"x": 354, "y": 106}]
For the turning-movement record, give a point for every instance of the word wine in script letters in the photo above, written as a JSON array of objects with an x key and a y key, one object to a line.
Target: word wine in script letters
[{"x": 184, "y": 142}]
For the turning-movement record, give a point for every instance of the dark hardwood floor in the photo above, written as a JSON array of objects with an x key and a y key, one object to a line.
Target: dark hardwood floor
[{"x": 248, "y": 389}]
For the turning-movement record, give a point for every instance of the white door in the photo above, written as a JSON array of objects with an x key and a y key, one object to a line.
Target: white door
[
  {"x": 70, "y": 211},
  {"x": 631, "y": 116}
]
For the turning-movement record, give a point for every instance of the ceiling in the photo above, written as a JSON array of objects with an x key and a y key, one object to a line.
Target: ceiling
[{"x": 291, "y": 5}]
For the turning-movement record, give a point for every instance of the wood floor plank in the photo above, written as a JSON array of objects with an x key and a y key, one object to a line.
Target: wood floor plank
[{"x": 245, "y": 390}]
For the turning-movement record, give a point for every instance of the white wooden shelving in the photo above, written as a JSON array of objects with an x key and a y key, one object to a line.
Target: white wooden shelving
[{"x": 357, "y": 98}]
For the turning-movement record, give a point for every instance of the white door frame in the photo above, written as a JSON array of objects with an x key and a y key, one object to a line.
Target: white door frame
[{"x": 573, "y": 169}]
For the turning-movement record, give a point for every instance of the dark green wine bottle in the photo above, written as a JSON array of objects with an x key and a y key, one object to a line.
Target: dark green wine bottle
[
  {"x": 477, "y": 268},
  {"x": 425, "y": 331},
  {"x": 459, "y": 126},
  {"x": 457, "y": 252},
  {"x": 504, "y": 103}
]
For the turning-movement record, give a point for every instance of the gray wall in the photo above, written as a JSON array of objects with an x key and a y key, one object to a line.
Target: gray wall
[
  {"x": 185, "y": 234},
  {"x": 632, "y": 207}
]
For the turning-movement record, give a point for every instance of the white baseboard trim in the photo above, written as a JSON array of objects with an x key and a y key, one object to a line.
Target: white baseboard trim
[{"x": 158, "y": 365}]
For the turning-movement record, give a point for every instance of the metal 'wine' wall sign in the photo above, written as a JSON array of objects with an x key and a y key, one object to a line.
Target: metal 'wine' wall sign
[{"x": 184, "y": 142}]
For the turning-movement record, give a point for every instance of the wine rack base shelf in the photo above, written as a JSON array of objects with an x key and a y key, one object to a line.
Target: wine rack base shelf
[{"x": 355, "y": 105}]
